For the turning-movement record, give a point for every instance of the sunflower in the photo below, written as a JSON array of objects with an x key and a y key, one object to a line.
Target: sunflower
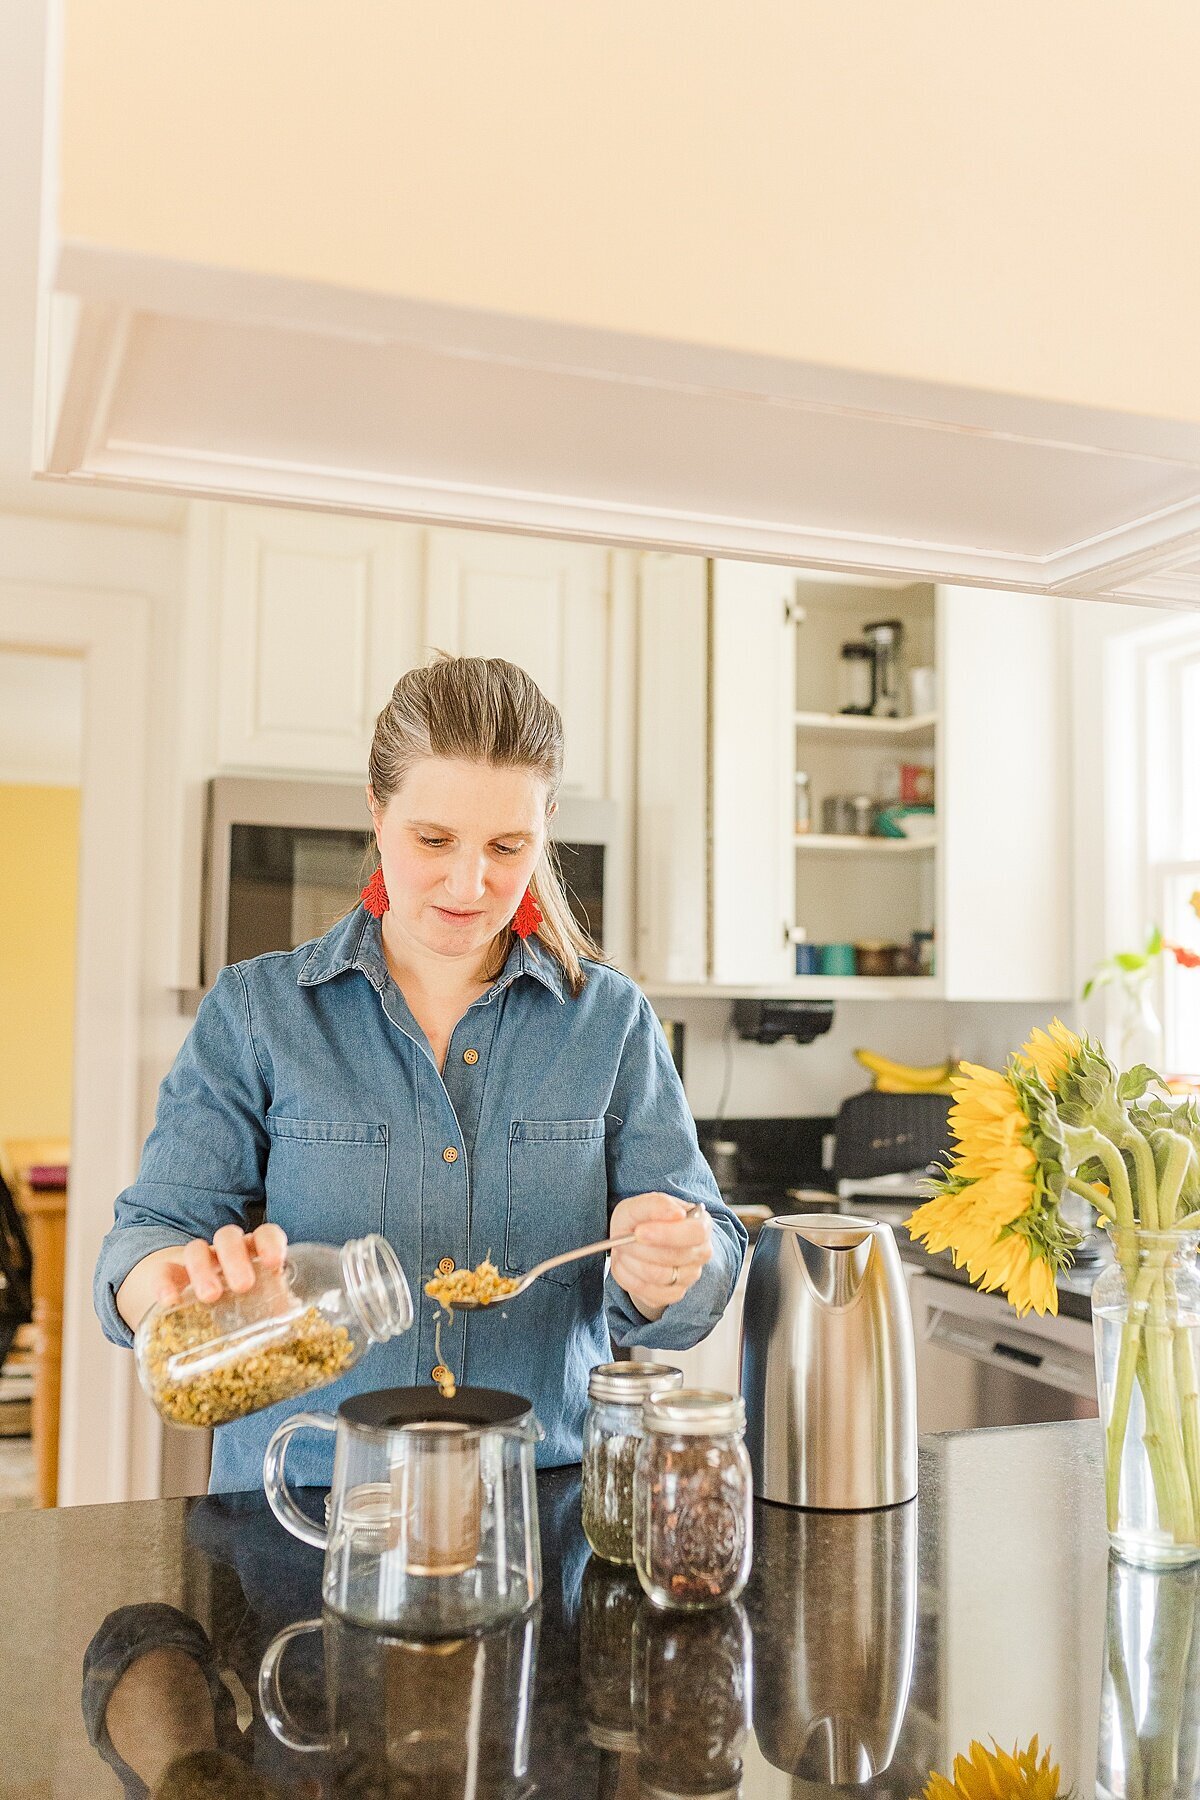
[
  {"x": 996, "y": 1207},
  {"x": 997, "y": 1774},
  {"x": 1051, "y": 1054}
]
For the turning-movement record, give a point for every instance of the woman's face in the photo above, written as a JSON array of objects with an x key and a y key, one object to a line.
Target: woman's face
[{"x": 459, "y": 842}]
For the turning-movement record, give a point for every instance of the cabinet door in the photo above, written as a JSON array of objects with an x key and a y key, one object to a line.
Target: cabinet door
[
  {"x": 753, "y": 708},
  {"x": 545, "y": 606},
  {"x": 1004, "y": 797},
  {"x": 672, "y": 769},
  {"x": 318, "y": 620}
]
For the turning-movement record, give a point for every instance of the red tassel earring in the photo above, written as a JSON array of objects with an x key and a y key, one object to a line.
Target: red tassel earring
[
  {"x": 375, "y": 895},
  {"x": 528, "y": 915}
]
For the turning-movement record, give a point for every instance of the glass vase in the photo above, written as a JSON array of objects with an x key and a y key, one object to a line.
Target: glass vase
[
  {"x": 1149, "y": 1738},
  {"x": 1139, "y": 1035},
  {"x": 1146, "y": 1321}
]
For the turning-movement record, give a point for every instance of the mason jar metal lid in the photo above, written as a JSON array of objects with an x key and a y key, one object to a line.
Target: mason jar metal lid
[
  {"x": 695, "y": 1412},
  {"x": 630, "y": 1383}
]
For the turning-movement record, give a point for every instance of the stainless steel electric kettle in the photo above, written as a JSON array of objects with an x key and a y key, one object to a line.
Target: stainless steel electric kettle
[{"x": 828, "y": 1365}]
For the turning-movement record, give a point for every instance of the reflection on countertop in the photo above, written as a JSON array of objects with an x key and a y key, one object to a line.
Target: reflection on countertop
[{"x": 170, "y": 1640}]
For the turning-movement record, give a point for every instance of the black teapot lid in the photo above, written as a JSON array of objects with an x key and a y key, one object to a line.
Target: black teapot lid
[{"x": 390, "y": 1409}]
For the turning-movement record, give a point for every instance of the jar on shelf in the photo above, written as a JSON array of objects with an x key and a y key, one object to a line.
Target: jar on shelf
[
  {"x": 612, "y": 1434},
  {"x": 204, "y": 1363},
  {"x": 692, "y": 1498},
  {"x": 855, "y": 678},
  {"x": 803, "y": 808}
]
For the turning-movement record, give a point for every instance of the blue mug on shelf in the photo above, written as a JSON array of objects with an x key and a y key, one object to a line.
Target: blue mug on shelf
[{"x": 808, "y": 959}]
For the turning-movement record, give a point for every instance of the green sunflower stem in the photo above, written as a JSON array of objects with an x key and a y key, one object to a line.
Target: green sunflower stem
[
  {"x": 1118, "y": 1424},
  {"x": 1146, "y": 1179},
  {"x": 1087, "y": 1190},
  {"x": 1189, "y": 1406}
]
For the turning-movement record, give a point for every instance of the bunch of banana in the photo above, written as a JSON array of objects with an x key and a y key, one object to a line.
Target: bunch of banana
[{"x": 890, "y": 1077}]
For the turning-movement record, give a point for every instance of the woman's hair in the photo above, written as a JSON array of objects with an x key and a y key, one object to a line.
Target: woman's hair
[{"x": 482, "y": 709}]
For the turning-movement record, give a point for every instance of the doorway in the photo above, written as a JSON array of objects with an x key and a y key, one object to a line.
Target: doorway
[{"x": 41, "y": 740}]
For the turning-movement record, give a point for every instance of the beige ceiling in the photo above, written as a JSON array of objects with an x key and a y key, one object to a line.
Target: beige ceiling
[
  {"x": 22, "y": 64},
  {"x": 1000, "y": 197}
]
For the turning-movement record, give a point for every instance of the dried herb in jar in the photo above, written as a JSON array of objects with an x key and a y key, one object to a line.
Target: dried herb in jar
[
  {"x": 193, "y": 1384},
  {"x": 607, "y": 1496},
  {"x": 692, "y": 1500},
  {"x": 697, "y": 1521}
]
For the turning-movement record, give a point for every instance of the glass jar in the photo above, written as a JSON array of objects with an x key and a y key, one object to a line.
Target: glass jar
[
  {"x": 612, "y": 1432},
  {"x": 691, "y": 1500},
  {"x": 691, "y": 1696},
  {"x": 803, "y": 811},
  {"x": 1146, "y": 1323},
  {"x": 205, "y": 1362}
]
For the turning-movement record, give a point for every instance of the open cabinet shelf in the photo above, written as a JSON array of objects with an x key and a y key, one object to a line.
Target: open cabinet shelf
[
  {"x": 849, "y": 730},
  {"x": 811, "y": 841}
]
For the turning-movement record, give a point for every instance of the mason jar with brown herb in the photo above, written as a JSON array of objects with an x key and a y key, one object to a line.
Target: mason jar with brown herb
[
  {"x": 612, "y": 1432},
  {"x": 297, "y": 1328},
  {"x": 692, "y": 1496}
]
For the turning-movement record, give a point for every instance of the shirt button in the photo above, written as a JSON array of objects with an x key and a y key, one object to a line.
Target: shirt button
[
  {"x": 449, "y": 1154},
  {"x": 440, "y": 1373},
  {"x": 471, "y": 1057},
  {"x": 446, "y": 1266}
]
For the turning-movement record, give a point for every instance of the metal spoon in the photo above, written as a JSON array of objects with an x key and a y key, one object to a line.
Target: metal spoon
[{"x": 556, "y": 1262}]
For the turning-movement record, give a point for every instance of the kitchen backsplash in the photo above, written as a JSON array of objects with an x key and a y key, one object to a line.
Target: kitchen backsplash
[{"x": 788, "y": 1080}]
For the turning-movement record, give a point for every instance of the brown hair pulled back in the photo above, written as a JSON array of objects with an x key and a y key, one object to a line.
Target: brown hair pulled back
[{"x": 485, "y": 710}]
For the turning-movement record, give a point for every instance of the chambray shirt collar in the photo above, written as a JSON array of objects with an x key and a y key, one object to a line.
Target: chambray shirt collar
[{"x": 356, "y": 942}]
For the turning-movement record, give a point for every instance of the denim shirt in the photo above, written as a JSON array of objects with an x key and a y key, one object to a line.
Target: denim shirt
[{"x": 306, "y": 1082}]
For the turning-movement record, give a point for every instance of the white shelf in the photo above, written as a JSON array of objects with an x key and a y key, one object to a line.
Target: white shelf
[
  {"x": 850, "y": 728},
  {"x": 816, "y": 843},
  {"x": 807, "y": 987}
]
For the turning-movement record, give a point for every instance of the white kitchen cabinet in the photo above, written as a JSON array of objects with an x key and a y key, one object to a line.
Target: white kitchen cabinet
[
  {"x": 1004, "y": 797},
  {"x": 672, "y": 769},
  {"x": 752, "y": 652},
  {"x": 993, "y": 883},
  {"x": 318, "y": 617},
  {"x": 547, "y": 606}
]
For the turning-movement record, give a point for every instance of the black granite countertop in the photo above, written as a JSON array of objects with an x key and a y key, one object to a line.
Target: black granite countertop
[{"x": 886, "y": 1641}]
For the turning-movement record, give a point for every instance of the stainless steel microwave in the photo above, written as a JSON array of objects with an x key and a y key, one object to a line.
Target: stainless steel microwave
[{"x": 286, "y": 858}]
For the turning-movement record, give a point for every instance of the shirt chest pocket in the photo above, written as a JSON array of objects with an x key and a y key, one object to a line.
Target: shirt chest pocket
[
  {"x": 326, "y": 1179},
  {"x": 557, "y": 1194}
]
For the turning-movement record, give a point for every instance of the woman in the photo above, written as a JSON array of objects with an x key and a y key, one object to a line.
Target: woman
[{"x": 451, "y": 1065}]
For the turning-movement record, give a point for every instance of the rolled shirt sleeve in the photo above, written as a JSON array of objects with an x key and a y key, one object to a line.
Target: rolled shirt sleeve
[
  {"x": 204, "y": 1161},
  {"x": 651, "y": 1147}
]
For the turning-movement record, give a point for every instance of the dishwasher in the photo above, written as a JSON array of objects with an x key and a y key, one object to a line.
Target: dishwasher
[{"x": 978, "y": 1364}]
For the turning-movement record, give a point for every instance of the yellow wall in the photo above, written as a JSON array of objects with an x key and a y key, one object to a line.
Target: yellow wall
[
  {"x": 39, "y": 855},
  {"x": 1001, "y": 195}
]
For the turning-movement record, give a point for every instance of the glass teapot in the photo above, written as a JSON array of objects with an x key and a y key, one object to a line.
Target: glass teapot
[{"x": 432, "y": 1527}]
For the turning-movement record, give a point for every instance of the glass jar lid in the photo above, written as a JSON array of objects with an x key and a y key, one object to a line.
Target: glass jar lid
[
  {"x": 629, "y": 1383},
  {"x": 695, "y": 1412}
]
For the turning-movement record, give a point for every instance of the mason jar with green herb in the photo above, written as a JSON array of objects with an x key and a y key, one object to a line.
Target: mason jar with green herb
[{"x": 612, "y": 1431}]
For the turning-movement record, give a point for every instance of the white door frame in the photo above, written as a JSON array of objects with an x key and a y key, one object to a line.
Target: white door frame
[{"x": 110, "y": 633}]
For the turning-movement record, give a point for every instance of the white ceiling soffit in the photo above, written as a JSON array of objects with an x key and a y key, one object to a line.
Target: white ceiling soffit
[{"x": 209, "y": 382}]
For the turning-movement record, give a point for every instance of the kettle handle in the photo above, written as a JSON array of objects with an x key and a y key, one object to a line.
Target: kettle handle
[
  {"x": 270, "y": 1699},
  {"x": 279, "y": 1495}
]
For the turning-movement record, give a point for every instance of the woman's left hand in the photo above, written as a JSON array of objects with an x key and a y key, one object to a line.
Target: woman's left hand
[{"x": 672, "y": 1248}]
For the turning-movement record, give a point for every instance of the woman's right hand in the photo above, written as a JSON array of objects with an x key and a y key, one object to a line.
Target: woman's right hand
[{"x": 225, "y": 1263}]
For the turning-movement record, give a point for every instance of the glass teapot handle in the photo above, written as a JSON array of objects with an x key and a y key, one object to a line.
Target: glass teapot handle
[
  {"x": 271, "y": 1702},
  {"x": 279, "y": 1496}
]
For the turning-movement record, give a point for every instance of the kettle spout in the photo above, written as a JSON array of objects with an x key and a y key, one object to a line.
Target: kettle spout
[{"x": 835, "y": 1258}]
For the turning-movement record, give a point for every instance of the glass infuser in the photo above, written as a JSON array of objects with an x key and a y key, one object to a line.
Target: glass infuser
[{"x": 432, "y": 1526}]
